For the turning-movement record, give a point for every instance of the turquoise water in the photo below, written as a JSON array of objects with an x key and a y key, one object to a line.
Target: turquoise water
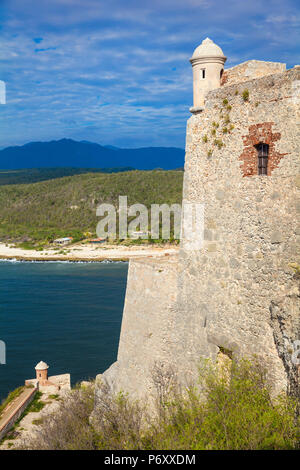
[{"x": 66, "y": 314}]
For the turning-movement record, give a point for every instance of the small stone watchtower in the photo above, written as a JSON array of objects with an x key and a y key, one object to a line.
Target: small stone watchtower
[
  {"x": 208, "y": 66},
  {"x": 42, "y": 372}
]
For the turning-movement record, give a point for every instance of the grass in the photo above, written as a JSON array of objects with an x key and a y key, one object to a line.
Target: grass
[
  {"x": 245, "y": 95},
  {"x": 12, "y": 395},
  {"x": 35, "y": 405}
]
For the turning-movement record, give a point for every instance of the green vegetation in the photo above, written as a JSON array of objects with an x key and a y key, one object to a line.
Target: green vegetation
[
  {"x": 225, "y": 101},
  {"x": 218, "y": 143},
  {"x": 36, "y": 214},
  {"x": 38, "y": 421},
  {"x": 205, "y": 139},
  {"x": 54, "y": 397},
  {"x": 231, "y": 408},
  {"x": 36, "y": 405},
  {"x": 33, "y": 175},
  {"x": 12, "y": 395},
  {"x": 245, "y": 95}
]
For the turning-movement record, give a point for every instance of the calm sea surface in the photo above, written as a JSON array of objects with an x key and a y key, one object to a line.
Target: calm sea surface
[{"x": 66, "y": 314}]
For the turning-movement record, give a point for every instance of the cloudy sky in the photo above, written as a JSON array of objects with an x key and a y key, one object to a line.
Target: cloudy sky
[{"x": 117, "y": 71}]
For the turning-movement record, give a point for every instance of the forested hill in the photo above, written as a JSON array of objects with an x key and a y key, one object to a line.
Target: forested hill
[
  {"x": 33, "y": 175},
  {"x": 70, "y": 153},
  {"x": 67, "y": 206}
]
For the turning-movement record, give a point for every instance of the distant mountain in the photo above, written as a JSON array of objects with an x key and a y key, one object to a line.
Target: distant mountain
[{"x": 70, "y": 153}]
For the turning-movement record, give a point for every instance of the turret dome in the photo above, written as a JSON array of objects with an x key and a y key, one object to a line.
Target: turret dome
[
  {"x": 41, "y": 366},
  {"x": 207, "y": 49}
]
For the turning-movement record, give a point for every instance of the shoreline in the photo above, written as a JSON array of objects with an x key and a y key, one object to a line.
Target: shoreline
[{"x": 88, "y": 253}]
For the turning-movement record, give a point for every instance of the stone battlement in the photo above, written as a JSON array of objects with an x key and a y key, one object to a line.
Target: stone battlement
[{"x": 250, "y": 70}]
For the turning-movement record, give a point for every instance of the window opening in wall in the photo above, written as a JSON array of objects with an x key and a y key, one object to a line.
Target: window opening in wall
[{"x": 262, "y": 155}]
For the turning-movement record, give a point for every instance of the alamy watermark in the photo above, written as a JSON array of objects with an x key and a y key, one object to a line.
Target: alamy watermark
[{"x": 179, "y": 222}]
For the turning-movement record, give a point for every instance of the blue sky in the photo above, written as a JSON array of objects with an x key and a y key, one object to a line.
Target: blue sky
[{"x": 117, "y": 71}]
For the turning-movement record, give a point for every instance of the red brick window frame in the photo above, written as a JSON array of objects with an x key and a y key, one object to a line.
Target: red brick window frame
[
  {"x": 260, "y": 133},
  {"x": 262, "y": 155}
]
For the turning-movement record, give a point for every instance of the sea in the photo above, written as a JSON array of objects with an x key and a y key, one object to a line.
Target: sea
[{"x": 65, "y": 314}]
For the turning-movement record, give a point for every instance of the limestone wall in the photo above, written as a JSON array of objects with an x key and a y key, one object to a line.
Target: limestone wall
[
  {"x": 250, "y": 70},
  {"x": 15, "y": 411},
  {"x": 147, "y": 322},
  {"x": 238, "y": 293},
  {"x": 251, "y": 224}
]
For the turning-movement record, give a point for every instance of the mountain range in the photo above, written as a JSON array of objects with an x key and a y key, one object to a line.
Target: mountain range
[{"x": 71, "y": 153}]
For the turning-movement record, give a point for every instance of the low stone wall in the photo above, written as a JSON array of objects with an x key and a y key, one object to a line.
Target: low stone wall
[
  {"x": 23, "y": 401},
  {"x": 250, "y": 70}
]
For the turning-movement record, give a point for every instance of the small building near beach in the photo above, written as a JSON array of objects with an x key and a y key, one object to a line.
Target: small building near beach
[
  {"x": 98, "y": 240},
  {"x": 63, "y": 241}
]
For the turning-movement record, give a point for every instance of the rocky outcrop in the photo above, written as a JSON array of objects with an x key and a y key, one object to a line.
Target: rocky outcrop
[{"x": 285, "y": 322}]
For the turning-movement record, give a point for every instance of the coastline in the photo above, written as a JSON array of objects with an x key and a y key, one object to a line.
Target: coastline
[{"x": 85, "y": 253}]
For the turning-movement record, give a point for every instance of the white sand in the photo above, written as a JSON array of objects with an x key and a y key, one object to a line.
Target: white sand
[{"x": 86, "y": 252}]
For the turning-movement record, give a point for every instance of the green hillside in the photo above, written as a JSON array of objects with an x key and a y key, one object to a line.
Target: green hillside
[
  {"x": 67, "y": 206},
  {"x": 33, "y": 175}
]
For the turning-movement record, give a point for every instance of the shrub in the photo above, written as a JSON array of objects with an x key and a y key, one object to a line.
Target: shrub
[
  {"x": 225, "y": 102},
  {"x": 245, "y": 95},
  {"x": 205, "y": 139},
  {"x": 231, "y": 408},
  {"x": 68, "y": 428},
  {"x": 218, "y": 143}
]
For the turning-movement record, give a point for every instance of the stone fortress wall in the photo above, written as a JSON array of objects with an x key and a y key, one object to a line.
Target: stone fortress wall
[{"x": 239, "y": 293}]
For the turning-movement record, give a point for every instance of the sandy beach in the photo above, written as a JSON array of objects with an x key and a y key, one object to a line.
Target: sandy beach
[{"x": 85, "y": 252}]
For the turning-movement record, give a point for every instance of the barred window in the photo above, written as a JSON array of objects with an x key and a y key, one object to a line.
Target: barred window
[{"x": 262, "y": 154}]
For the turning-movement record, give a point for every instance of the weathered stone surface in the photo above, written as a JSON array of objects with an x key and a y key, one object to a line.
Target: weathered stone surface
[{"x": 233, "y": 294}]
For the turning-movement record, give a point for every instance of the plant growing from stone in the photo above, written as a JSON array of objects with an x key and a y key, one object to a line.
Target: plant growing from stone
[
  {"x": 218, "y": 143},
  {"x": 245, "y": 95}
]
